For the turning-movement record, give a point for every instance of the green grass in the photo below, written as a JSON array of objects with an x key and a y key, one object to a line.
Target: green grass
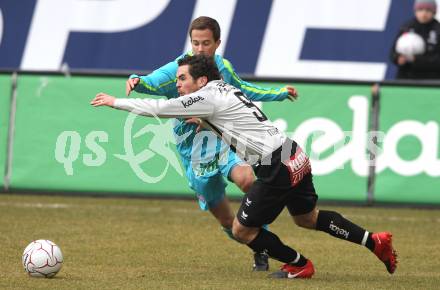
[{"x": 117, "y": 243}]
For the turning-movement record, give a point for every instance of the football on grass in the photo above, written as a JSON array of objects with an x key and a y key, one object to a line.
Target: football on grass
[{"x": 42, "y": 258}]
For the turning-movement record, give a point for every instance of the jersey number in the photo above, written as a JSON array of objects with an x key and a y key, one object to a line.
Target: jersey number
[{"x": 256, "y": 111}]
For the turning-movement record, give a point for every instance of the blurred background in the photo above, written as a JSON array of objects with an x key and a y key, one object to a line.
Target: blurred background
[
  {"x": 330, "y": 39},
  {"x": 56, "y": 55}
]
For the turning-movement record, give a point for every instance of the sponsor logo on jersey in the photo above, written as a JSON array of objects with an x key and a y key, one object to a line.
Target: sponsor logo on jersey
[
  {"x": 274, "y": 131},
  {"x": 298, "y": 166},
  {"x": 191, "y": 101}
]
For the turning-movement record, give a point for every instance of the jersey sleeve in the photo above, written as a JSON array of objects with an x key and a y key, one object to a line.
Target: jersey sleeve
[
  {"x": 160, "y": 82},
  {"x": 197, "y": 104},
  {"x": 253, "y": 92}
]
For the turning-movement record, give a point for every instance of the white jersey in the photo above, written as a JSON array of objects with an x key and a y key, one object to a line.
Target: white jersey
[{"x": 225, "y": 110}]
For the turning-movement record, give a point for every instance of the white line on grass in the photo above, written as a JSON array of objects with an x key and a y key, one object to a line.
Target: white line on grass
[{"x": 35, "y": 204}]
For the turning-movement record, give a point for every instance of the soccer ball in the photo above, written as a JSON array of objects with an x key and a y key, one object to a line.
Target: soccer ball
[
  {"x": 42, "y": 258},
  {"x": 410, "y": 44}
]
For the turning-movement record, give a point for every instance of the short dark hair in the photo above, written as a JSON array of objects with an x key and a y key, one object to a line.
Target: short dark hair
[
  {"x": 201, "y": 65},
  {"x": 205, "y": 22}
]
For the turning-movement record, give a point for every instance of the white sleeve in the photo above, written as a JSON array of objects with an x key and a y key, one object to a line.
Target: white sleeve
[{"x": 197, "y": 104}]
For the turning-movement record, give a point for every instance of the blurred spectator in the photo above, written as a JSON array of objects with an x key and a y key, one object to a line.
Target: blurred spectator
[{"x": 427, "y": 64}]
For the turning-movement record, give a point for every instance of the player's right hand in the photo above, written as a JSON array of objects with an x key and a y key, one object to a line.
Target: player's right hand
[
  {"x": 401, "y": 60},
  {"x": 404, "y": 59},
  {"x": 293, "y": 93},
  {"x": 196, "y": 121},
  {"x": 130, "y": 84},
  {"x": 103, "y": 99}
]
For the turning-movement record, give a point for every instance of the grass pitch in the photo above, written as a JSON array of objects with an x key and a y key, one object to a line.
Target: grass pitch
[{"x": 117, "y": 243}]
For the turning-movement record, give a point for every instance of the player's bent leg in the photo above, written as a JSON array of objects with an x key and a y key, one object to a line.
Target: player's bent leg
[
  {"x": 223, "y": 213},
  {"x": 236, "y": 170},
  {"x": 380, "y": 244},
  {"x": 211, "y": 195},
  {"x": 307, "y": 220},
  {"x": 245, "y": 235},
  {"x": 259, "y": 239},
  {"x": 243, "y": 176},
  {"x": 210, "y": 189},
  {"x": 261, "y": 205},
  {"x": 242, "y": 233},
  {"x": 302, "y": 206}
]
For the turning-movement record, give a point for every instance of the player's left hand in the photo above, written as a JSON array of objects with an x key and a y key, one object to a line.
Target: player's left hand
[
  {"x": 196, "y": 121},
  {"x": 293, "y": 93},
  {"x": 102, "y": 99}
]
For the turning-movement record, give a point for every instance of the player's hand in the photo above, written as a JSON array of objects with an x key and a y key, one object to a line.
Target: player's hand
[
  {"x": 102, "y": 99},
  {"x": 293, "y": 93},
  {"x": 196, "y": 121},
  {"x": 404, "y": 59},
  {"x": 130, "y": 84},
  {"x": 401, "y": 60}
]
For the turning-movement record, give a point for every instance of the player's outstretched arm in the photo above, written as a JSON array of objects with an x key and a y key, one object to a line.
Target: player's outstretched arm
[
  {"x": 254, "y": 92},
  {"x": 103, "y": 99},
  {"x": 293, "y": 93},
  {"x": 161, "y": 82},
  {"x": 188, "y": 106}
]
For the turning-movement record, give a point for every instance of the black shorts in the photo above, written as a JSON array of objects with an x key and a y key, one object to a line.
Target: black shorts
[{"x": 279, "y": 185}]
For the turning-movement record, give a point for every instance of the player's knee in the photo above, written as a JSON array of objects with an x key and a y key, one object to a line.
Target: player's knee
[
  {"x": 243, "y": 177},
  {"x": 307, "y": 221},
  {"x": 237, "y": 230},
  {"x": 247, "y": 182},
  {"x": 228, "y": 232},
  {"x": 226, "y": 221},
  {"x": 240, "y": 232},
  {"x": 304, "y": 223}
]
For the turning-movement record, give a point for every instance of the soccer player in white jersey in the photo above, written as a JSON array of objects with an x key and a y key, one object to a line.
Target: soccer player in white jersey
[
  {"x": 206, "y": 175},
  {"x": 284, "y": 177}
]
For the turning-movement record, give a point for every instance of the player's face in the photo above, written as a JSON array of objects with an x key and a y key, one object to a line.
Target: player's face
[
  {"x": 185, "y": 82},
  {"x": 424, "y": 15},
  {"x": 202, "y": 42}
]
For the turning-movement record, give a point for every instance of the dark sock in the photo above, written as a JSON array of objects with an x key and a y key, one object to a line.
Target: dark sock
[
  {"x": 268, "y": 242},
  {"x": 336, "y": 225},
  {"x": 370, "y": 242}
]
